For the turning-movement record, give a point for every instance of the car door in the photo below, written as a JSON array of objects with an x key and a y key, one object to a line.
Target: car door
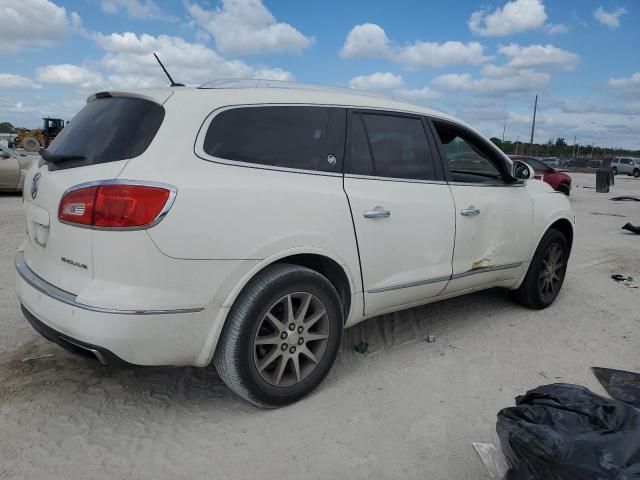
[
  {"x": 403, "y": 211},
  {"x": 9, "y": 171},
  {"x": 494, "y": 213}
]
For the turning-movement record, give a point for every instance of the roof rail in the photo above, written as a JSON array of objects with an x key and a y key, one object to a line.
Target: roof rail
[{"x": 262, "y": 83}]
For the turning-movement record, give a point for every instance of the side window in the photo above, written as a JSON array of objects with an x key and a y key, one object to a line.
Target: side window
[
  {"x": 469, "y": 160},
  {"x": 291, "y": 137},
  {"x": 390, "y": 146},
  {"x": 360, "y": 161}
]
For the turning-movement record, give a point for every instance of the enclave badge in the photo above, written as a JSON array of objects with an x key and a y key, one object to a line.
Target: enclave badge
[{"x": 34, "y": 185}]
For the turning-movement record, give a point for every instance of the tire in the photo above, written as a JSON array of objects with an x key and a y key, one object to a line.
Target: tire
[
  {"x": 636, "y": 173},
  {"x": 564, "y": 188},
  {"x": 251, "y": 337},
  {"x": 614, "y": 170},
  {"x": 535, "y": 291},
  {"x": 30, "y": 144}
]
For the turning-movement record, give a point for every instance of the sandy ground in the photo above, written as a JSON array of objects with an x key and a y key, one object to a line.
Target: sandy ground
[{"x": 410, "y": 409}]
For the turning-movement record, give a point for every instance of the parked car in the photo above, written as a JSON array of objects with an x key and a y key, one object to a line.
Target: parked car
[
  {"x": 558, "y": 179},
  {"x": 628, "y": 165},
  {"x": 553, "y": 162},
  {"x": 248, "y": 226},
  {"x": 13, "y": 167}
]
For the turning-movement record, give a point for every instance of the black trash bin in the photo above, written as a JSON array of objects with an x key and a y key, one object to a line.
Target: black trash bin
[{"x": 602, "y": 181}]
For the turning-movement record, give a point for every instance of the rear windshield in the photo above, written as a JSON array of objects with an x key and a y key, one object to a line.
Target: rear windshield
[{"x": 106, "y": 130}]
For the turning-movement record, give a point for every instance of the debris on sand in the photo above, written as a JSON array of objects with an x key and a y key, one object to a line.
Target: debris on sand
[
  {"x": 362, "y": 347},
  {"x": 626, "y": 281},
  {"x": 37, "y": 357},
  {"x": 631, "y": 228}
]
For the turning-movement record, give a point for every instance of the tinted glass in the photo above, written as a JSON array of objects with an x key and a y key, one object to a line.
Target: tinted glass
[
  {"x": 537, "y": 165},
  {"x": 360, "y": 160},
  {"x": 399, "y": 146},
  {"x": 469, "y": 161},
  {"x": 290, "y": 137},
  {"x": 108, "y": 129}
]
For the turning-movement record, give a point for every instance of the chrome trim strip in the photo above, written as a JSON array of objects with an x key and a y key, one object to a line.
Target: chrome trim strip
[
  {"x": 410, "y": 284},
  {"x": 455, "y": 276},
  {"x": 392, "y": 179},
  {"x": 494, "y": 268},
  {"x": 173, "y": 193},
  {"x": 471, "y": 184},
  {"x": 70, "y": 299}
]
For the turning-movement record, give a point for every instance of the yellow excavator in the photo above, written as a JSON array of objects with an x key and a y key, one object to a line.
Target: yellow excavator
[{"x": 33, "y": 140}]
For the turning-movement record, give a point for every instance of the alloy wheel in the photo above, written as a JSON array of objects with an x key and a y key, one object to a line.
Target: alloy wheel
[
  {"x": 552, "y": 270},
  {"x": 291, "y": 339}
]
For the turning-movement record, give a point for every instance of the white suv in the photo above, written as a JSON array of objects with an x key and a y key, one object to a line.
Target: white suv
[
  {"x": 248, "y": 224},
  {"x": 628, "y": 165}
]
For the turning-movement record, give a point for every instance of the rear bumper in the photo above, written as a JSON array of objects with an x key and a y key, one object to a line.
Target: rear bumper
[{"x": 139, "y": 337}]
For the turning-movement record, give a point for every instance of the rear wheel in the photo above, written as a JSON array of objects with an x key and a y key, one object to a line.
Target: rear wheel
[
  {"x": 281, "y": 337},
  {"x": 614, "y": 170},
  {"x": 546, "y": 272},
  {"x": 636, "y": 173}
]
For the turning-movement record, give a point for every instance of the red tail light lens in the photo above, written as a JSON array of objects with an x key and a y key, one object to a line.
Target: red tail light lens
[{"x": 114, "y": 205}]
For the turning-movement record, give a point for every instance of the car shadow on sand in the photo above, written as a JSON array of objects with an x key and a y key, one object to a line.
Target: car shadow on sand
[{"x": 31, "y": 371}]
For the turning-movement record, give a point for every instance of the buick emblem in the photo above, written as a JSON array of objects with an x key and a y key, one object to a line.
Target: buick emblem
[{"x": 34, "y": 185}]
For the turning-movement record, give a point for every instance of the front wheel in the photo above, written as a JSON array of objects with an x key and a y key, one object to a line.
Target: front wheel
[
  {"x": 636, "y": 173},
  {"x": 281, "y": 337},
  {"x": 614, "y": 170},
  {"x": 546, "y": 272}
]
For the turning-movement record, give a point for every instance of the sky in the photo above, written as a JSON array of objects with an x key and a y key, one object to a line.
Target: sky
[{"x": 481, "y": 60}]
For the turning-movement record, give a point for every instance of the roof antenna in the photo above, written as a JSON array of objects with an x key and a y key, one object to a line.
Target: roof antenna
[{"x": 173, "y": 84}]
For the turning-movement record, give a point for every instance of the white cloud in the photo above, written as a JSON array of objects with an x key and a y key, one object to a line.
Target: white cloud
[
  {"x": 610, "y": 19},
  {"x": 505, "y": 82},
  {"x": 131, "y": 64},
  {"x": 626, "y": 86},
  {"x": 417, "y": 94},
  {"x": 539, "y": 56},
  {"x": 514, "y": 17},
  {"x": 71, "y": 75},
  {"x": 247, "y": 27},
  {"x": 370, "y": 41},
  {"x": 13, "y": 81},
  {"x": 146, "y": 9},
  {"x": 33, "y": 23},
  {"x": 379, "y": 81},
  {"x": 556, "y": 28},
  {"x": 366, "y": 41}
]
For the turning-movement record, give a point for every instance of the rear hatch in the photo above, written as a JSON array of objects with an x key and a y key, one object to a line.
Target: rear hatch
[{"x": 94, "y": 146}]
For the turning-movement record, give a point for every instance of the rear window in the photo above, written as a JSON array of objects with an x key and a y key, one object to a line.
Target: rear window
[
  {"x": 106, "y": 130},
  {"x": 291, "y": 137}
]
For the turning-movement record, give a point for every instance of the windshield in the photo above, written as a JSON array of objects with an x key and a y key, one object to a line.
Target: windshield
[{"x": 107, "y": 130}]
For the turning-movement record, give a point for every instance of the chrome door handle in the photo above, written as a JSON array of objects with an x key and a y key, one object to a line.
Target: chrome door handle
[
  {"x": 470, "y": 211},
  {"x": 377, "y": 212}
]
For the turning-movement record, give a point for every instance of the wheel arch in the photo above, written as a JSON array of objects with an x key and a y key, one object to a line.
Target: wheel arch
[
  {"x": 322, "y": 261},
  {"x": 565, "y": 227}
]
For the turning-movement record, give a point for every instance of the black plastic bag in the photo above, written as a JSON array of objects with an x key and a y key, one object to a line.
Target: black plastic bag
[{"x": 566, "y": 432}]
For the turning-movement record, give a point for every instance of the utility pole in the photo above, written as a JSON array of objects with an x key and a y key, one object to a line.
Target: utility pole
[
  {"x": 517, "y": 140},
  {"x": 533, "y": 125},
  {"x": 504, "y": 128},
  {"x": 573, "y": 153}
]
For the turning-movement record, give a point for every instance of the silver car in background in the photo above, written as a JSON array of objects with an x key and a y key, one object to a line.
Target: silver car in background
[
  {"x": 628, "y": 165},
  {"x": 13, "y": 166}
]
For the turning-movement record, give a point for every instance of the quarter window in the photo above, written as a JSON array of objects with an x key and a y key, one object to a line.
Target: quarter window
[
  {"x": 291, "y": 137},
  {"x": 469, "y": 160},
  {"x": 390, "y": 146}
]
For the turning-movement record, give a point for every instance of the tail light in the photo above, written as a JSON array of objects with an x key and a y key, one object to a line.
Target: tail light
[{"x": 116, "y": 204}]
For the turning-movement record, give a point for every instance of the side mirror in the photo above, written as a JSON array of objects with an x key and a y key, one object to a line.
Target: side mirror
[{"x": 521, "y": 170}]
